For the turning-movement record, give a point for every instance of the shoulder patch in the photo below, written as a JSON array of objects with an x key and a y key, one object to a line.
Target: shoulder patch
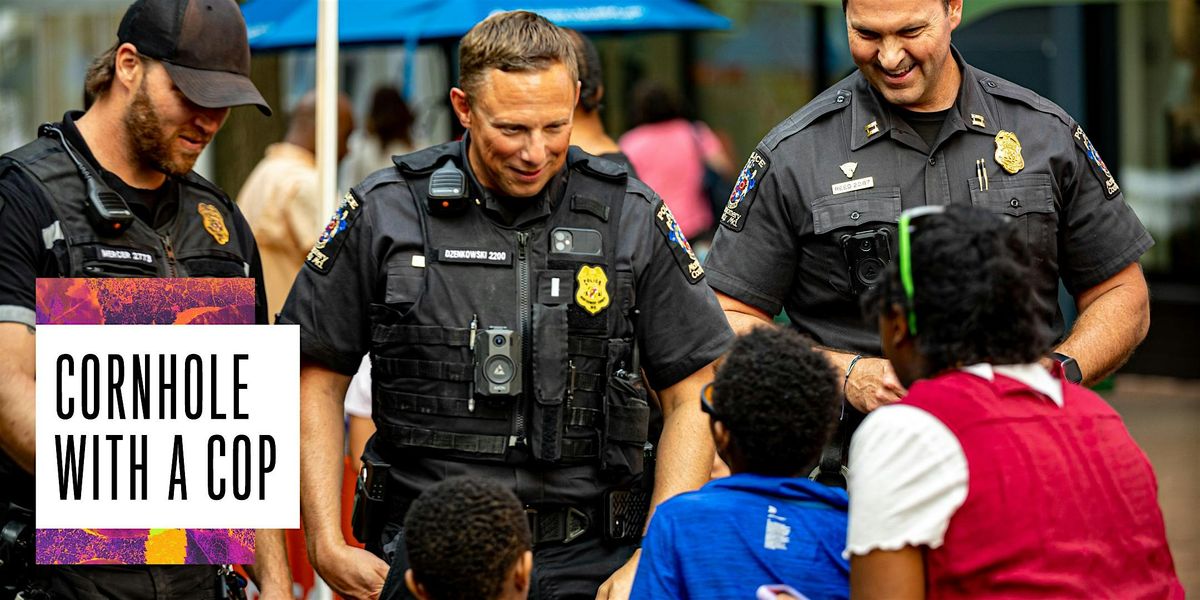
[
  {"x": 321, "y": 257},
  {"x": 1111, "y": 189},
  {"x": 680, "y": 248},
  {"x": 733, "y": 217}
]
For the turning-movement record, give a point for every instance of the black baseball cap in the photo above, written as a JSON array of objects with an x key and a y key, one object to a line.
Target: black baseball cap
[{"x": 202, "y": 44}]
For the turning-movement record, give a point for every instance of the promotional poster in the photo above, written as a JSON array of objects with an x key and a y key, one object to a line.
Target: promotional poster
[{"x": 169, "y": 444}]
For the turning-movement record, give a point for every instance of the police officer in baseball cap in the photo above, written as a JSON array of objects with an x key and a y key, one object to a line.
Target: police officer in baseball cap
[{"x": 119, "y": 176}]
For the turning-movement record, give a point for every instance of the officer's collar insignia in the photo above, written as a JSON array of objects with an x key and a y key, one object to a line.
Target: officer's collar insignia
[
  {"x": 1098, "y": 167},
  {"x": 848, "y": 169},
  {"x": 734, "y": 214},
  {"x": 680, "y": 248},
  {"x": 214, "y": 223},
  {"x": 321, "y": 252},
  {"x": 977, "y": 120},
  {"x": 872, "y": 128},
  {"x": 1008, "y": 152},
  {"x": 591, "y": 293}
]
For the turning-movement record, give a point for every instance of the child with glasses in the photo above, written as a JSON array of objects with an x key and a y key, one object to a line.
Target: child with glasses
[
  {"x": 993, "y": 477},
  {"x": 771, "y": 407}
]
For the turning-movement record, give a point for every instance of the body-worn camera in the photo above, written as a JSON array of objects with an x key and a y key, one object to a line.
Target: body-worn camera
[
  {"x": 867, "y": 253},
  {"x": 499, "y": 370}
]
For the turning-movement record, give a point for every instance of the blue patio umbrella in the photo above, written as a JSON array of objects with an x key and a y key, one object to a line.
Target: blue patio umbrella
[{"x": 280, "y": 24}]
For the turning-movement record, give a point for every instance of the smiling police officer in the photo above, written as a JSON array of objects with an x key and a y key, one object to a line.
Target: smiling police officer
[
  {"x": 812, "y": 219},
  {"x": 510, "y": 290}
]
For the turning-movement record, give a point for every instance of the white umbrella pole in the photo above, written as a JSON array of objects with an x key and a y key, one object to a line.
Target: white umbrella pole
[{"x": 327, "y": 104}]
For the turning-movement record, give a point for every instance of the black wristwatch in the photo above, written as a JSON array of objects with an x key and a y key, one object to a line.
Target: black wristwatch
[{"x": 1070, "y": 368}]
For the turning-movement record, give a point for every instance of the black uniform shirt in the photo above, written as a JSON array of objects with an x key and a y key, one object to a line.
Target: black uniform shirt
[
  {"x": 813, "y": 214},
  {"x": 26, "y": 218},
  {"x": 680, "y": 326}
]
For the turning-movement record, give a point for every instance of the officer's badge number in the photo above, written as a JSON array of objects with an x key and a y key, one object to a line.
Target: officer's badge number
[{"x": 591, "y": 292}]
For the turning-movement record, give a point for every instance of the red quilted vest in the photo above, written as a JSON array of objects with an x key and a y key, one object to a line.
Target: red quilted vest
[{"x": 1061, "y": 503}]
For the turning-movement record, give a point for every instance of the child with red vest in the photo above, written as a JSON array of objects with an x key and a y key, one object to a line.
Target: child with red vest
[{"x": 993, "y": 477}]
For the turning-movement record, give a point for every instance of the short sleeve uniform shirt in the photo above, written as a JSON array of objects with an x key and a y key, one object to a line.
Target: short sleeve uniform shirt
[{"x": 812, "y": 219}]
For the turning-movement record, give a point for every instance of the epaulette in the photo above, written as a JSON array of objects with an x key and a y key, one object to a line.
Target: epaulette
[
  {"x": 637, "y": 188},
  {"x": 1006, "y": 89},
  {"x": 425, "y": 161},
  {"x": 833, "y": 99},
  {"x": 383, "y": 176},
  {"x": 594, "y": 165},
  {"x": 194, "y": 178}
]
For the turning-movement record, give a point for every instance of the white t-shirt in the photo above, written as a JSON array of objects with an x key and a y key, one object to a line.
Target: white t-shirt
[{"x": 358, "y": 395}]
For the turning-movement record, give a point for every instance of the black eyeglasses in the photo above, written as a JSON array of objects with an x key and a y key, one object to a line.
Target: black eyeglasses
[{"x": 706, "y": 396}]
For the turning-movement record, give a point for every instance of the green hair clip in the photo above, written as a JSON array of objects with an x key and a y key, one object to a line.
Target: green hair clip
[{"x": 906, "y": 278}]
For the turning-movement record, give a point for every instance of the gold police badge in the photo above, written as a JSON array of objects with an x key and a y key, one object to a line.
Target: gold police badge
[
  {"x": 1008, "y": 152},
  {"x": 592, "y": 292},
  {"x": 214, "y": 223}
]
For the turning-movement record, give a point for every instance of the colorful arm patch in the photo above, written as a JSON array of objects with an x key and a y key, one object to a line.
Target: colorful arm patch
[
  {"x": 1111, "y": 189},
  {"x": 680, "y": 248},
  {"x": 326, "y": 249},
  {"x": 734, "y": 215}
]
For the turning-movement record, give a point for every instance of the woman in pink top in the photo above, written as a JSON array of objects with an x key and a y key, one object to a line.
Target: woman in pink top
[{"x": 669, "y": 153}]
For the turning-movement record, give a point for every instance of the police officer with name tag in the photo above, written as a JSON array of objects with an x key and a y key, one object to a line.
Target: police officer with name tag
[
  {"x": 811, "y": 221},
  {"x": 510, "y": 290},
  {"x": 109, "y": 192}
]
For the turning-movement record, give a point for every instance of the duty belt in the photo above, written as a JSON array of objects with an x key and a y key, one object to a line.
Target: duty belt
[
  {"x": 548, "y": 523},
  {"x": 559, "y": 524}
]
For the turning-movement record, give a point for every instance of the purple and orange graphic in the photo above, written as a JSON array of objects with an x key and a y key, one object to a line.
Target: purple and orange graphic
[{"x": 145, "y": 302}]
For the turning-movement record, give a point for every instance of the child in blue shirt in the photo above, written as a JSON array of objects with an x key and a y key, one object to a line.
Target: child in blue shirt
[{"x": 771, "y": 407}]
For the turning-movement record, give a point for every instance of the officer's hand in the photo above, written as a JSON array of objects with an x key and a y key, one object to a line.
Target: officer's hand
[
  {"x": 873, "y": 383},
  {"x": 621, "y": 583},
  {"x": 351, "y": 572}
]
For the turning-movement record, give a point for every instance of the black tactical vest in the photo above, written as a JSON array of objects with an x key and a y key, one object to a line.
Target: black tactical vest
[
  {"x": 198, "y": 242},
  {"x": 570, "y": 362}
]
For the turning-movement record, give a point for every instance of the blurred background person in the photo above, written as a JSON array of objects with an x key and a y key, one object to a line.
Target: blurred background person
[
  {"x": 281, "y": 199},
  {"x": 671, "y": 155},
  {"x": 587, "y": 129},
  {"x": 388, "y": 133}
]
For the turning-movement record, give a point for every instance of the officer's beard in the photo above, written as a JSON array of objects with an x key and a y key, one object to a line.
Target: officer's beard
[{"x": 152, "y": 147}]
